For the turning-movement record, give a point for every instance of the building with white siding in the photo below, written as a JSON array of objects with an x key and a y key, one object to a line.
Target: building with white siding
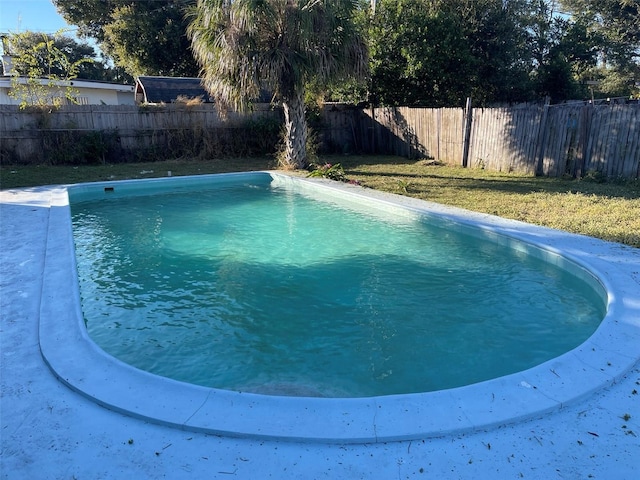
[{"x": 83, "y": 92}]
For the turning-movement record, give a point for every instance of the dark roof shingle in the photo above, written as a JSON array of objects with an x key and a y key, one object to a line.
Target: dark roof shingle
[{"x": 168, "y": 89}]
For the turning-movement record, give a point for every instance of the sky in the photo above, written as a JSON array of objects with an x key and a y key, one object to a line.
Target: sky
[{"x": 35, "y": 15}]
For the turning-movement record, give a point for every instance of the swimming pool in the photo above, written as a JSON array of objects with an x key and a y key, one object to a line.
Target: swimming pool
[
  {"x": 493, "y": 402},
  {"x": 256, "y": 287}
]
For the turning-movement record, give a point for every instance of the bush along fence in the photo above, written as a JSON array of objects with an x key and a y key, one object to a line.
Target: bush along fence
[
  {"x": 554, "y": 140},
  {"x": 86, "y": 134}
]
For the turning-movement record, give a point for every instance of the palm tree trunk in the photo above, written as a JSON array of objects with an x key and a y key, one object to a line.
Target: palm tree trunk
[{"x": 295, "y": 135}]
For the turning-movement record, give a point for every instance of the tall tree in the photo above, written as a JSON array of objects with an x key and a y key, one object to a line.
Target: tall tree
[
  {"x": 551, "y": 69},
  {"x": 496, "y": 33},
  {"x": 437, "y": 52},
  {"x": 89, "y": 15},
  {"x": 149, "y": 38},
  {"x": 245, "y": 46},
  {"x": 618, "y": 21},
  {"x": 616, "y": 26},
  {"x": 143, "y": 36},
  {"x": 418, "y": 55}
]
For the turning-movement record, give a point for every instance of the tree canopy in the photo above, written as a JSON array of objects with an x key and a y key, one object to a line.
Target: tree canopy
[
  {"x": 145, "y": 37},
  {"x": 432, "y": 52},
  {"x": 615, "y": 25},
  {"x": 56, "y": 55},
  {"x": 422, "y": 52}
]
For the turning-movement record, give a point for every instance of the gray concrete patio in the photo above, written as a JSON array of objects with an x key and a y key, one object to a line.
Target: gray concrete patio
[{"x": 48, "y": 431}]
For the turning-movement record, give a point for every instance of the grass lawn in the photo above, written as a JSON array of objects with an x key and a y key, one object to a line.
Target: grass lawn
[{"x": 608, "y": 210}]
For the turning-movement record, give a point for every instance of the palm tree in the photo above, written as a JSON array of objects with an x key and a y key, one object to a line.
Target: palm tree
[{"x": 245, "y": 46}]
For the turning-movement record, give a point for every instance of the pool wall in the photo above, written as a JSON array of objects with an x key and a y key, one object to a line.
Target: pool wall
[{"x": 597, "y": 363}]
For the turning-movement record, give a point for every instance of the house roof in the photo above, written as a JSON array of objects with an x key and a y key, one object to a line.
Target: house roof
[
  {"x": 168, "y": 89},
  {"x": 6, "y": 82}
]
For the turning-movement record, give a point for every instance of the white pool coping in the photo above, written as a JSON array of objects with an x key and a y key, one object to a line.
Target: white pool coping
[{"x": 600, "y": 362}]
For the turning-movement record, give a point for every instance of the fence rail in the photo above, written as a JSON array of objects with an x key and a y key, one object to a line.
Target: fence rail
[{"x": 552, "y": 140}]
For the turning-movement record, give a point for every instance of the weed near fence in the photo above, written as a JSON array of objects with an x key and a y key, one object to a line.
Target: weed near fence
[{"x": 79, "y": 135}]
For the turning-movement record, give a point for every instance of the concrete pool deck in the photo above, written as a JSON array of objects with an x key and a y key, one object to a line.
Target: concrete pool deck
[{"x": 50, "y": 431}]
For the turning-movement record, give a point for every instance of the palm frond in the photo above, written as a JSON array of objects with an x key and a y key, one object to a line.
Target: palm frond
[{"x": 281, "y": 44}]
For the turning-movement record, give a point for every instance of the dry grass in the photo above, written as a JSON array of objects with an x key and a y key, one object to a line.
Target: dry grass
[{"x": 609, "y": 210}]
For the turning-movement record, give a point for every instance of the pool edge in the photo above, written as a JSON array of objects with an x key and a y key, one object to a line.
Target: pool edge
[{"x": 501, "y": 401}]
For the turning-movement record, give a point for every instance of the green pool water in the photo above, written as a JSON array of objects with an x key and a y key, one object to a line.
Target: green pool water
[{"x": 254, "y": 286}]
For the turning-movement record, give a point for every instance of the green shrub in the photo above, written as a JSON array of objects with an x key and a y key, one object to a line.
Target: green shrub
[{"x": 333, "y": 172}]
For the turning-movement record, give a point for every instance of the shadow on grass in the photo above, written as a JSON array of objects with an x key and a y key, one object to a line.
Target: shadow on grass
[
  {"x": 354, "y": 161},
  {"x": 431, "y": 177}
]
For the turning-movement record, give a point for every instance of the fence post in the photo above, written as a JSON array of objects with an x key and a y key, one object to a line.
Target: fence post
[
  {"x": 542, "y": 136},
  {"x": 468, "y": 114},
  {"x": 438, "y": 132}
]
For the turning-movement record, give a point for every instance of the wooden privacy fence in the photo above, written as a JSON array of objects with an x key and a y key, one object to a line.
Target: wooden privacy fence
[
  {"x": 553, "y": 140},
  {"x": 28, "y": 136}
]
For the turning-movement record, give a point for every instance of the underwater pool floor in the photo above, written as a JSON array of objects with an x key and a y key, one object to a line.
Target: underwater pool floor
[{"x": 50, "y": 431}]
